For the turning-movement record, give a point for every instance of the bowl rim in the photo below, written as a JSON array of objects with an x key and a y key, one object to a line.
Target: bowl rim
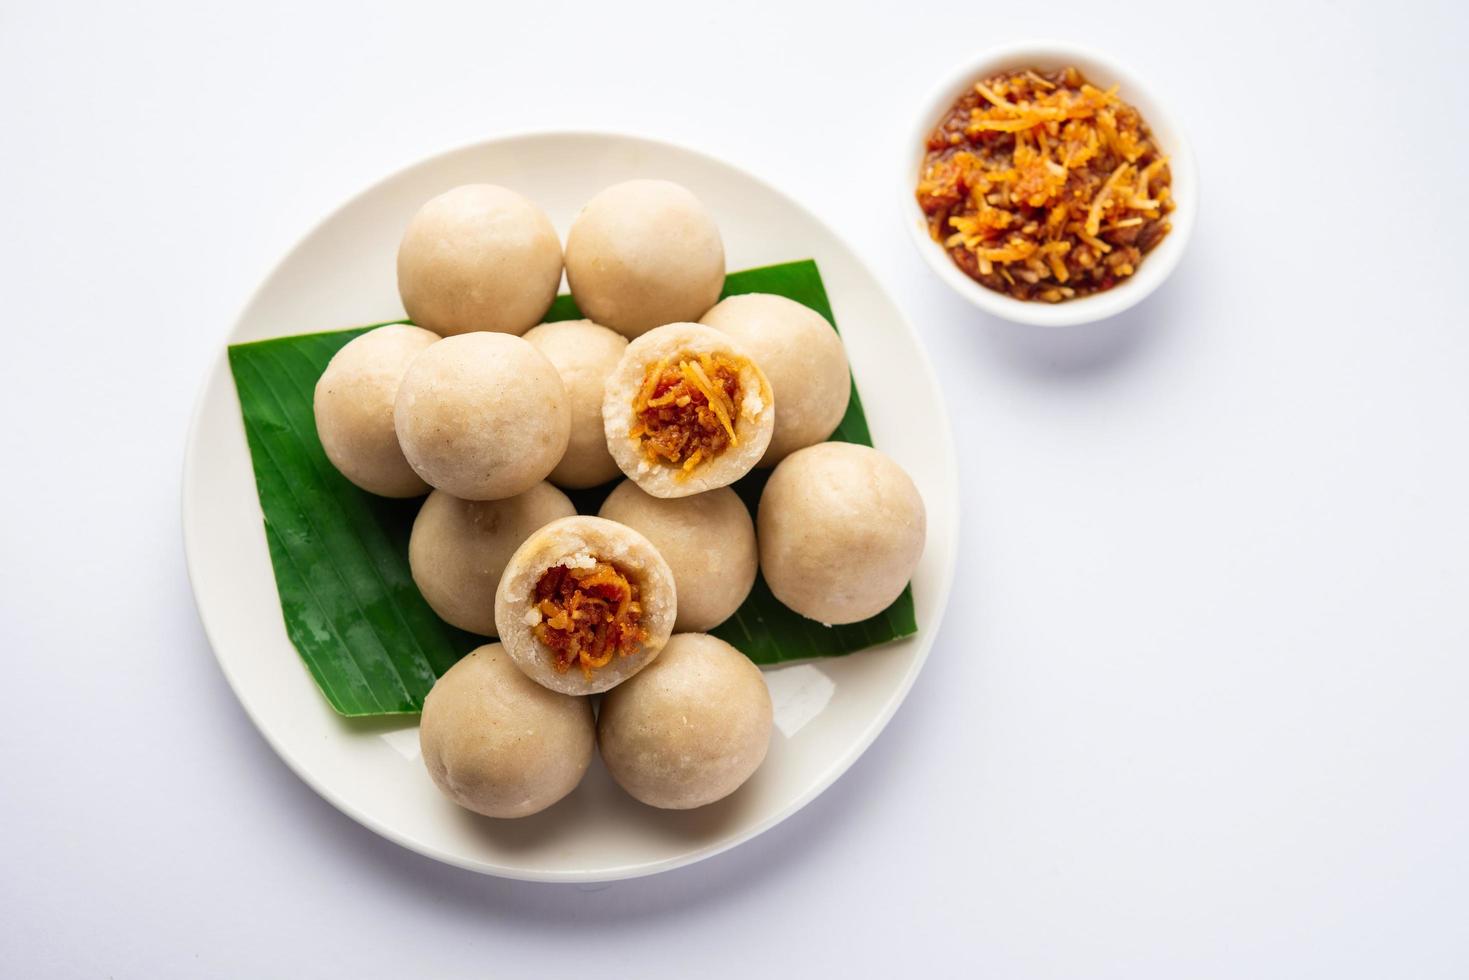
[{"x": 1158, "y": 265}]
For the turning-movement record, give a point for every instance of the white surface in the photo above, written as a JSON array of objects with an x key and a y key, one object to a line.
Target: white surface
[
  {"x": 1103, "y": 71},
  {"x": 1198, "y": 707},
  {"x": 341, "y": 274}
]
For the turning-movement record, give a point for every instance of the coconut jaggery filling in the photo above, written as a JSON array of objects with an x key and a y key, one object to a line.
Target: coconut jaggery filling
[
  {"x": 1044, "y": 187},
  {"x": 686, "y": 410},
  {"x": 589, "y": 613}
]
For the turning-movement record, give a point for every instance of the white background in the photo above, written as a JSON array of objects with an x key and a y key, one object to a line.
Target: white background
[{"x": 1200, "y": 706}]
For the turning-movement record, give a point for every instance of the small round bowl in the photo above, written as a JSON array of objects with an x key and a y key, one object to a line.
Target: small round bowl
[{"x": 1102, "y": 72}]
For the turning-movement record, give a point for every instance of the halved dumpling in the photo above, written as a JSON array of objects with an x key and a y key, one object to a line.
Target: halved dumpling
[
  {"x": 584, "y": 604},
  {"x": 687, "y": 410}
]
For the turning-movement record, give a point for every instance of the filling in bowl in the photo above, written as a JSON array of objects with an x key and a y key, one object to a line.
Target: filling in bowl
[
  {"x": 685, "y": 412},
  {"x": 1044, "y": 187},
  {"x": 587, "y": 612}
]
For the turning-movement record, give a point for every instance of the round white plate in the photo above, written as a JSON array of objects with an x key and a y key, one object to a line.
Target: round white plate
[{"x": 827, "y": 712}]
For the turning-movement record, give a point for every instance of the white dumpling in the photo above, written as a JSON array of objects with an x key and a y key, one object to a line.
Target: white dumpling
[
  {"x": 644, "y": 253},
  {"x": 479, "y": 257},
  {"x": 841, "y": 529}
]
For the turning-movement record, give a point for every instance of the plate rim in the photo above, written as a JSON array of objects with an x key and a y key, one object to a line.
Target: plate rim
[{"x": 839, "y": 766}]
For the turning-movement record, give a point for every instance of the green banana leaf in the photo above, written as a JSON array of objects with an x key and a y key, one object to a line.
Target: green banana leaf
[{"x": 340, "y": 555}]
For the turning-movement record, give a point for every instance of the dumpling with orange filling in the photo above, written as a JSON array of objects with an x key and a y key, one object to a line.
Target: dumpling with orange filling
[
  {"x": 686, "y": 410},
  {"x": 584, "y": 604}
]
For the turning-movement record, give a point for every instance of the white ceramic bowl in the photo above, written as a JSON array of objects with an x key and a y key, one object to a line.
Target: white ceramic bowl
[
  {"x": 826, "y": 712},
  {"x": 1102, "y": 72}
]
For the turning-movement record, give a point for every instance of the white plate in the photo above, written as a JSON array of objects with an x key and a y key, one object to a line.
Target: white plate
[{"x": 827, "y": 712}]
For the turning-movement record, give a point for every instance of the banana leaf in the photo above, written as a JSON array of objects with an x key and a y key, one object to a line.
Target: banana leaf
[{"x": 340, "y": 555}]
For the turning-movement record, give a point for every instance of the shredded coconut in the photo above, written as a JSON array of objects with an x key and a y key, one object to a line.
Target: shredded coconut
[{"x": 579, "y": 560}]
